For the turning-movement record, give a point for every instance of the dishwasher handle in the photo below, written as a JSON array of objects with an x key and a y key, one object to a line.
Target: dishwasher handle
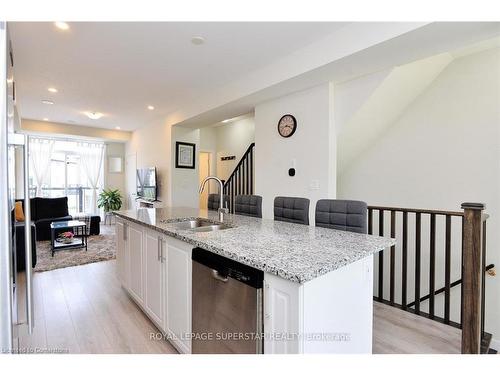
[
  {"x": 223, "y": 268},
  {"x": 217, "y": 276}
]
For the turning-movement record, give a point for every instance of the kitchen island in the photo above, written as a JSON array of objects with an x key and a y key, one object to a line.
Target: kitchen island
[{"x": 318, "y": 282}]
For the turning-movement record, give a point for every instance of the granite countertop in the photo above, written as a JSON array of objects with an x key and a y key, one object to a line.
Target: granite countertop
[{"x": 292, "y": 251}]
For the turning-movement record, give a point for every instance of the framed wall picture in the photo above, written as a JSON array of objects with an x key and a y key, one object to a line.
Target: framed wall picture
[{"x": 185, "y": 155}]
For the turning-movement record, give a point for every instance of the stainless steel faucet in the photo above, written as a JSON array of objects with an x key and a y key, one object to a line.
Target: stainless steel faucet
[{"x": 222, "y": 210}]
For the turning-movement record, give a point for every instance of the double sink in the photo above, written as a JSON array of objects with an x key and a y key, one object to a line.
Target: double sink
[{"x": 200, "y": 225}]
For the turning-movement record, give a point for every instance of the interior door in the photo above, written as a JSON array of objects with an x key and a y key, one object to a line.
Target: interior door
[{"x": 204, "y": 170}]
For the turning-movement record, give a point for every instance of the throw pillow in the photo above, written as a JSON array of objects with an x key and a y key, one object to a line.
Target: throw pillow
[{"x": 18, "y": 211}]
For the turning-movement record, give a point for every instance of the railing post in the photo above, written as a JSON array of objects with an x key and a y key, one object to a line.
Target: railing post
[{"x": 471, "y": 278}]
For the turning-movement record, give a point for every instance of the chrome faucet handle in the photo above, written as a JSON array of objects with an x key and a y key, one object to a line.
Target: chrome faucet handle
[{"x": 222, "y": 212}]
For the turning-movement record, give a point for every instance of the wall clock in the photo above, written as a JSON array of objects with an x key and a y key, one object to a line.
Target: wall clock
[{"x": 287, "y": 126}]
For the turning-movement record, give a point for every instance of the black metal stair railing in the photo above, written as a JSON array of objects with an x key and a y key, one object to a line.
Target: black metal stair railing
[
  {"x": 406, "y": 256},
  {"x": 241, "y": 181}
]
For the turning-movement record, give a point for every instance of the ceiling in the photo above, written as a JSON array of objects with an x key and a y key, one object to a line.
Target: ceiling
[{"x": 119, "y": 68}]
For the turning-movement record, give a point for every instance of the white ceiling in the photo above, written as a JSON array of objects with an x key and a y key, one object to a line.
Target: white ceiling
[{"x": 121, "y": 68}]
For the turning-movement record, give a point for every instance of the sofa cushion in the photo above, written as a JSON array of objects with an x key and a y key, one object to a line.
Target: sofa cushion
[
  {"x": 32, "y": 207},
  {"x": 51, "y": 207}
]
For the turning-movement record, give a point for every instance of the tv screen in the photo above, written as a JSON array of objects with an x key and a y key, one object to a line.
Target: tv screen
[{"x": 146, "y": 183}]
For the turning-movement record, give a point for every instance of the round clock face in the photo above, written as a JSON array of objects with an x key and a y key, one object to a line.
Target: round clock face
[{"x": 287, "y": 126}]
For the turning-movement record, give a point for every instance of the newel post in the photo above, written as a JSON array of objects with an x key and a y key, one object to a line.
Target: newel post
[{"x": 471, "y": 278}]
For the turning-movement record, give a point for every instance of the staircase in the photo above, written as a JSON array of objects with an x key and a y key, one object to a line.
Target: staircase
[{"x": 241, "y": 181}]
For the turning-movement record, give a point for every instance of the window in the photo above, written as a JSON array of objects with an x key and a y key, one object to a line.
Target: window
[{"x": 67, "y": 178}]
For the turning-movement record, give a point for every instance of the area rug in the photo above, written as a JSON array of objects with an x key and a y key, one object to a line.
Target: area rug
[{"x": 100, "y": 248}]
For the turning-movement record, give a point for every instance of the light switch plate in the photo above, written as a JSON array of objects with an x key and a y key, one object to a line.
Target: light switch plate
[{"x": 314, "y": 185}]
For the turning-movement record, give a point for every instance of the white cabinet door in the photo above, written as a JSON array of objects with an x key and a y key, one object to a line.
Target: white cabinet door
[
  {"x": 154, "y": 259},
  {"x": 120, "y": 251},
  {"x": 135, "y": 256},
  {"x": 282, "y": 315},
  {"x": 178, "y": 314}
]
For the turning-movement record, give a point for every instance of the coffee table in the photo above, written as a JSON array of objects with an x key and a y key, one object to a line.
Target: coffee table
[{"x": 77, "y": 227}]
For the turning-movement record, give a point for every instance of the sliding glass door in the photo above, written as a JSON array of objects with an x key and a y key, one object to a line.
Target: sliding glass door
[{"x": 66, "y": 178}]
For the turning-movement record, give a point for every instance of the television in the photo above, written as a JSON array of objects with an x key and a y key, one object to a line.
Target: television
[{"x": 146, "y": 183}]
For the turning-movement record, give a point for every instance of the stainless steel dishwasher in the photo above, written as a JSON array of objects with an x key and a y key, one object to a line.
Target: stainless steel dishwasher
[{"x": 226, "y": 305}]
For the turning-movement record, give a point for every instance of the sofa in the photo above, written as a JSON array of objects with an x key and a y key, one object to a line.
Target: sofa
[
  {"x": 47, "y": 210},
  {"x": 20, "y": 246}
]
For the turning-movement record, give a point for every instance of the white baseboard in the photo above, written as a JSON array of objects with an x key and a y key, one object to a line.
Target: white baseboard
[{"x": 495, "y": 344}]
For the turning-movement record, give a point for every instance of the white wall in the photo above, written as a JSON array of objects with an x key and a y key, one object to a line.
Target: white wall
[
  {"x": 312, "y": 147},
  {"x": 228, "y": 139},
  {"x": 442, "y": 151},
  {"x": 351, "y": 95},
  {"x": 115, "y": 180},
  {"x": 208, "y": 143},
  {"x": 152, "y": 147},
  {"x": 56, "y": 128},
  {"x": 185, "y": 182},
  {"x": 386, "y": 98},
  {"x": 233, "y": 139}
]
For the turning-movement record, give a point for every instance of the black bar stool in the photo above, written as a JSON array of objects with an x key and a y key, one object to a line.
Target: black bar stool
[
  {"x": 292, "y": 210},
  {"x": 342, "y": 214},
  {"x": 213, "y": 201},
  {"x": 248, "y": 205}
]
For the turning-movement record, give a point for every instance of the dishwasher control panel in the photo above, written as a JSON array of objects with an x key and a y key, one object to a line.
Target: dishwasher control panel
[{"x": 229, "y": 268}]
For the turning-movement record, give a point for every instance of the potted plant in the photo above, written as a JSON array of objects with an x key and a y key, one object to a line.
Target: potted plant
[{"x": 110, "y": 200}]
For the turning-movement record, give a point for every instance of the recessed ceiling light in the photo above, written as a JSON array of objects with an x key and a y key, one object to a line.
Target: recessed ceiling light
[
  {"x": 197, "y": 40},
  {"x": 117, "y": 128},
  {"x": 61, "y": 25},
  {"x": 52, "y": 89},
  {"x": 45, "y": 119},
  {"x": 150, "y": 107},
  {"x": 49, "y": 102},
  {"x": 94, "y": 115}
]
